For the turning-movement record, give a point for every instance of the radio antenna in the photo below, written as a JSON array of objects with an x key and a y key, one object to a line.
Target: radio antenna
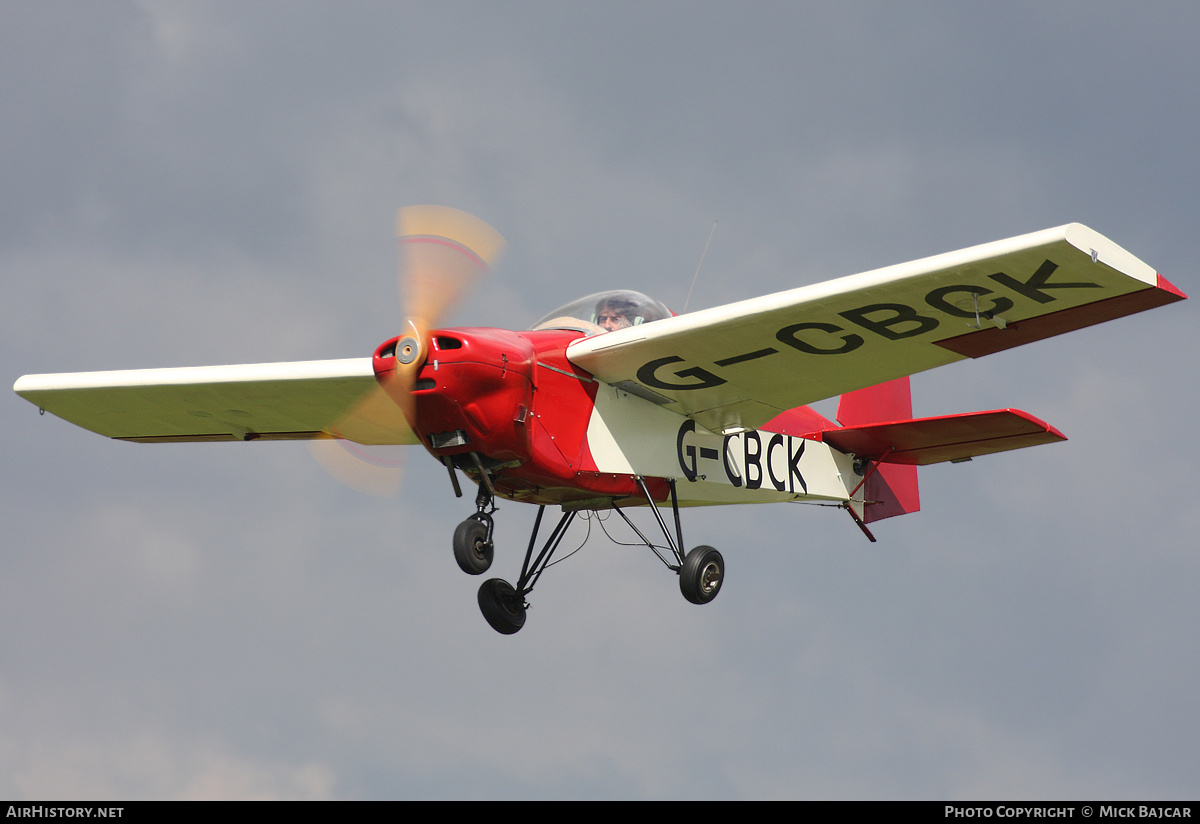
[{"x": 698, "y": 265}]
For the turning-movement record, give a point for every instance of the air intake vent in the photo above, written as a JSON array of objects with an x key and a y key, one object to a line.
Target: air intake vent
[{"x": 444, "y": 440}]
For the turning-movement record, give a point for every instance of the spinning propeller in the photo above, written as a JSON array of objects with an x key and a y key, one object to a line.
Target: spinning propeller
[{"x": 442, "y": 252}]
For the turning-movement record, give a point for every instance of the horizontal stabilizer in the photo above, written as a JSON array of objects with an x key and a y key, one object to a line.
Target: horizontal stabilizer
[{"x": 948, "y": 438}]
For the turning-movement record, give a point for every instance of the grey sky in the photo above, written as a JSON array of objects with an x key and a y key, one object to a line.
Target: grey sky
[{"x": 184, "y": 183}]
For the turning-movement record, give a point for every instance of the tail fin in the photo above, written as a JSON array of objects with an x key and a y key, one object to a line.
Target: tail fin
[{"x": 889, "y": 489}]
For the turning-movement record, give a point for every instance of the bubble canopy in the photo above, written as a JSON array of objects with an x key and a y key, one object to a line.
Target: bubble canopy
[{"x": 605, "y": 312}]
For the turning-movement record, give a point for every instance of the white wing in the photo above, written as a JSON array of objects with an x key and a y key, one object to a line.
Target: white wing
[
  {"x": 742, "y": 364},
  {"x": 269, "y": 401}
]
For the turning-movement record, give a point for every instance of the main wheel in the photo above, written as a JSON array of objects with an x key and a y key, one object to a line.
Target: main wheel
[
  {"x": 472, "y": 549},
  {"x": 502, "y": 606},
  {"x": 701, "y": 575}
]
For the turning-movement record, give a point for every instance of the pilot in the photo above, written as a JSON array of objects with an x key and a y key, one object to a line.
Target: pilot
[{"x": 619, "y": 311}]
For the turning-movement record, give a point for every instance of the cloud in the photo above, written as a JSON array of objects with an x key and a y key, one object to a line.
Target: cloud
[{"x": 195, "y": 183}]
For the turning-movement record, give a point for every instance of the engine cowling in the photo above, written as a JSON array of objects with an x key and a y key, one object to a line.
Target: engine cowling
[{"x": 473, "y": 393}]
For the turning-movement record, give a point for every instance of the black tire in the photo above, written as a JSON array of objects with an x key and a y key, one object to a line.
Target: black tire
[
  {"x": 472, "y": 549},
  {"x": 701, "y": 575},
  {"x": 501, "y": 606}
]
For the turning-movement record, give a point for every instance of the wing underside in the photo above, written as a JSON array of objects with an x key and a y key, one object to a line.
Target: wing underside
[
  {"x": 738, "y": 366},
  {"x": 268, "y": 401}
]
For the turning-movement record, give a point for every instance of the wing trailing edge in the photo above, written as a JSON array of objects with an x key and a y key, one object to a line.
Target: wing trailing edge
[{"x": 997, "y": 339}]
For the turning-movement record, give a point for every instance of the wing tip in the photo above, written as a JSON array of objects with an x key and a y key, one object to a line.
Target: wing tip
[{"x": 1170, "y": 288}]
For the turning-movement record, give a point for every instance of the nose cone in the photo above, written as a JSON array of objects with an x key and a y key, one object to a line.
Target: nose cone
[{"x": 472, "y": 393}]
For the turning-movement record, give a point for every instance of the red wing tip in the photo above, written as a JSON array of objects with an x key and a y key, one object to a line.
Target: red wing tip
[
  {"x": 1167, "y": 286},
  {"x": 1036, "y": 421}
]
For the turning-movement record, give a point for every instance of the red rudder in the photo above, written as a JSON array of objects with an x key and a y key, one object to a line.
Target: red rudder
[{"x": 891, "y": 489}]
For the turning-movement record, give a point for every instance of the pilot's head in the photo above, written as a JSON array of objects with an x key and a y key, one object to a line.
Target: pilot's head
[{"x": 613, "y": 313}]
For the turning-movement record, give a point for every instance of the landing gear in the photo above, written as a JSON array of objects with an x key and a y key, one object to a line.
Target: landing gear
[
  {"x": 701, "y": 575},
  {"x": 701, "y": 572},
  {"x": 502, "y": 606},
  {"x": 473, "y": 548}
]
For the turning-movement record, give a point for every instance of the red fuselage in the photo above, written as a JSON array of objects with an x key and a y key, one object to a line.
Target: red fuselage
[{"x": 515, "y": 400}]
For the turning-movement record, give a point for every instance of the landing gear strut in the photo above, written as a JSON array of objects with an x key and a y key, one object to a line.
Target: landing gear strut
[
  {"x": 473, "y": 547},
  {"x": 701, "y": 571},
  {"x": 502, "y": 604}
]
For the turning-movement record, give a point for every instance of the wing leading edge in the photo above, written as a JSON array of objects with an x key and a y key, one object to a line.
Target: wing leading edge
[
  {"x": 267, "y": 401},
  {"x": 738, "y": 366}
]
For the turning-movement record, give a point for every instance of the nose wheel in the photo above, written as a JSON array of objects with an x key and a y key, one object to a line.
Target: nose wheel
[{"x": 473, "y": 548}]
